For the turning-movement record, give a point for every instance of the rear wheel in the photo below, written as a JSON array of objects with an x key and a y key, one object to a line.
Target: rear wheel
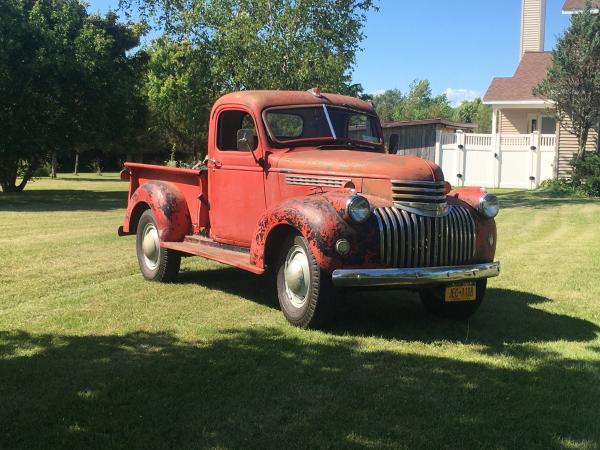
[
  {"x": 434, "y": 301},
  {"x": 156, "y": 263},
  {"x": 305, "y": 291}
]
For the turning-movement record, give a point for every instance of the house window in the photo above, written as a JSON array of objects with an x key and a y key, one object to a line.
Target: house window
[
  {"x": 533, "y": 125},
  {"x": 548, "y": 125}
]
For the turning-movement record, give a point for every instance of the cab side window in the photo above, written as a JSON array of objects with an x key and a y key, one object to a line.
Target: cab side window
[{"x": 227, "y": 128}]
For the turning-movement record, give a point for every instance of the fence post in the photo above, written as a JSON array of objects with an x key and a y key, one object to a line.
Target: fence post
[
  {"x": 437, "y": 158},
  {"x": 534, "y": 160},
  {"x": 460, "y": 157},
  {"x": 497, "y": 161}
]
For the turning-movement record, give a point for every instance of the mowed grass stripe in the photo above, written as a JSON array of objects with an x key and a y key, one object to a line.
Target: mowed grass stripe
[{"x": 92, "y": 356}]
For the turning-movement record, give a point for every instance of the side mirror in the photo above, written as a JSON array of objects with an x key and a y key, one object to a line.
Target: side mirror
[
  {"x": 246, "y": 140},
  {"x": 393, "y": 144}
]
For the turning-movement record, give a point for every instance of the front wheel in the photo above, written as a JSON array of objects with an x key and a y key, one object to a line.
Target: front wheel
[
  {"x": 156, "y": 263},
  {"x": 434, "y": 301},
  {"x": 305, "y": 292}
]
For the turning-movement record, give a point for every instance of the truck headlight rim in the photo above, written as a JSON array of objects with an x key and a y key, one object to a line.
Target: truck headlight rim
[
  {"x": 489, "y": 205},
  {"x": 358, "y": 208}
]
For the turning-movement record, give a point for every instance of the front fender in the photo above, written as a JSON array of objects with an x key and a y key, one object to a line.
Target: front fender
[
  {"x": 168, "y": 206},
  {"x": 317, "y": 219},
  {"x": 486, "y": 233}
]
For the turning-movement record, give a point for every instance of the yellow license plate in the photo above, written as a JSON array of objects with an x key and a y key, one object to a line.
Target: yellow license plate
[{"x": 461, "y": 293}]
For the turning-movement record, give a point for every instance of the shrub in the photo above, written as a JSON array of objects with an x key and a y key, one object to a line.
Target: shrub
[
  {"x": 96, "y": 166},
  {"x": 42, "y": 171},
  {"x": 586, "y": 175},
  {"x": 558, "y": 186}
]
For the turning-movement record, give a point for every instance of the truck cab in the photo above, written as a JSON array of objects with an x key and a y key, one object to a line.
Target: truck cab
[{"x": 299, "y": 185}]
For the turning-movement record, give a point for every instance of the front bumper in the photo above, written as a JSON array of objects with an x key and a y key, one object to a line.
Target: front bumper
[{"x": 419, "y": 276}]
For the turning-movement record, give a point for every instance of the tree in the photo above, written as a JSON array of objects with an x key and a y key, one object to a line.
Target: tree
[
  {"x": 180, "y": 93},
  {"x": 268, "y": 44},
  {"x": 419, "y": 103},
  {"x": 61, "y": 82},
  {"x": 475, "y": 112},
  {"x": 388, "y": 105},
  {"x": 573, "y": 79}
]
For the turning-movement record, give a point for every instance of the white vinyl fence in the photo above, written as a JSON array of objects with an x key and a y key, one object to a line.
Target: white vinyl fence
[{"x": 502, "y": 160}]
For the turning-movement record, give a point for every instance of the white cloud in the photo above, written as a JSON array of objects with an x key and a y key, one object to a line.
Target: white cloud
[
  {"x": 377, "y": 92},
  {"x": 457, "y": 96}
]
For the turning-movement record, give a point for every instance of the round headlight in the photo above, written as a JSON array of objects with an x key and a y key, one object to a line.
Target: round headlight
[
  {"x": 358, "y": 208},
  {"x": 489, "y": 205}
]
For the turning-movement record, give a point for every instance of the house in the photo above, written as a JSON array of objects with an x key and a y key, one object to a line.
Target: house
[
  {"x": 416, "y": 137},
  {"x": 575, "y": 6},
  {"x": 516, "y": 110}
]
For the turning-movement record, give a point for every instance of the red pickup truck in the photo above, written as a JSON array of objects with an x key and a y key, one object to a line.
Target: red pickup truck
[{"x": 299, "y": 184}]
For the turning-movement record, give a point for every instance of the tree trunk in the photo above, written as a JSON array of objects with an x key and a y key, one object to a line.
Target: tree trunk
[
  {"x": 598, "y": 138},
  {"x": 582, "y": 141},
  {"x": 76, "y": 171},
  {"x": 54, "y": 166},
  {"x": 9, "y": 180}
]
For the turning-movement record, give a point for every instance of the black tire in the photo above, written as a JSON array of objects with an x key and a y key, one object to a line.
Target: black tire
[
  {"x": 314, "y": 308},
  {"x": 162, "y": 265},
  {"x": 433, "y": 301}
]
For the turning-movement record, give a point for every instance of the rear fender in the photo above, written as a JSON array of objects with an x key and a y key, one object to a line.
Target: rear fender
[
  {"x": 320, "y": 223},
  {"x": 168, "y": 206}
]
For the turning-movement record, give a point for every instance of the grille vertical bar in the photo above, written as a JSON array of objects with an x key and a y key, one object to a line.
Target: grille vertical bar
[{"x": 411, "y": 240}]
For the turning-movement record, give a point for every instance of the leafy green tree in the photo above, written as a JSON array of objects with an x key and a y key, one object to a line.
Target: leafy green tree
[
  {"x": 61, "y": 82},
  {"x": 475, "y": 112},
  {"x": 268, "y": 44},
  {"x": 388, "y": 105},
  {"x": 419, "y": 103},
  {"x": 573, "y": 80},
  {"x": 180, "y": 93}
]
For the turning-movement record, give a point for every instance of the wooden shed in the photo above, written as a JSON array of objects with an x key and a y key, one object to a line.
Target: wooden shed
[{"x": 417, "y": 137}]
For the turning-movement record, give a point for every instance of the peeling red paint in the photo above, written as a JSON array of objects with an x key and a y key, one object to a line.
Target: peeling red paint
[{"x": 168, "y": 206}]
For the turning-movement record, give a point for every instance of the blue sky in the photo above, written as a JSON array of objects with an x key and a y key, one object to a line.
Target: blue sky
[{"x": 459, "y": 45}]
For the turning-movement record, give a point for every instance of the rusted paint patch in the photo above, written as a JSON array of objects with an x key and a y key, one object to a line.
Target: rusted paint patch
[
  {"x": 321, "y": 223},
  {"x": 168, "y": 206}
]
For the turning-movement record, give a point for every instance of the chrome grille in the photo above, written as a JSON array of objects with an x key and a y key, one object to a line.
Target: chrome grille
[
  {"x": 413, "y": 240},
  {"x": 425, "y": 197}
]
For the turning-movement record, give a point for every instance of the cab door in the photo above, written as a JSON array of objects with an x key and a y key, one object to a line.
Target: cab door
[{"x": 236, "y": 182}]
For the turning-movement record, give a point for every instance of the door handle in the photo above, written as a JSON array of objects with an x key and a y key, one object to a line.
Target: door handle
[{"x": 214, "y": 163}]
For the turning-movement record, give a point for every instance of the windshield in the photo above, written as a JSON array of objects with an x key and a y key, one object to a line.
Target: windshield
[{"x": 287, "y": 125}]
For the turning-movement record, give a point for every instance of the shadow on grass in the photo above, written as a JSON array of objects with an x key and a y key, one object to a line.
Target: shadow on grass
[
  {"x": 505, "y": 317},
  {"x": 263, "y": 388},
  {"x": 64, "y": 200}
]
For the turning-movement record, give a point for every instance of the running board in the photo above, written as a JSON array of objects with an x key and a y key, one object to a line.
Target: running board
[{"x": 236, "y": 258}]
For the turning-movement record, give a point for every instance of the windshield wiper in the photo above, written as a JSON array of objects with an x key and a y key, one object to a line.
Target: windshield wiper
[{"x": 348, "y": 144}]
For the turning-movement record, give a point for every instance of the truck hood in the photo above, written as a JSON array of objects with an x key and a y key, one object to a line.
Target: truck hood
[{"x": 358, "y": 164}]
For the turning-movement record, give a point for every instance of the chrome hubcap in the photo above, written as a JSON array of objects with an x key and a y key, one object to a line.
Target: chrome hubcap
[
  {"x": 297, "y": 276},
  {"x": 151, "y": 246}
]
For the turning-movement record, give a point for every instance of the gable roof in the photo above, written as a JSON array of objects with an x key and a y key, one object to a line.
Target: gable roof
[
  {"x": 572, "y": 6},
  {"x": 518, "y": 88}
]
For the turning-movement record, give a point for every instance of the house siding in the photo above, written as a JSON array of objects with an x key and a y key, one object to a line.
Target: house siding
[
  {"x": 513, "y": 121},
  {"x": 533, "y": 18},
  {"x": 568, "y": 147}
]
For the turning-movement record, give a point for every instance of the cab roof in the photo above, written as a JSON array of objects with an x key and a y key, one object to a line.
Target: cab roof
[{"x": 259, "y": 100}]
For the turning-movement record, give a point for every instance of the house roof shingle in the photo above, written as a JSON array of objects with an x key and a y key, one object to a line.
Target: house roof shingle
[
  {"x": 532, "y": 69},
  {"x": 578, "y": 5}
]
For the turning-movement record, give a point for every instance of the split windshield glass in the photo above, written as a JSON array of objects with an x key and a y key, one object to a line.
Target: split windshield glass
[{"x": 288, "y": 125}]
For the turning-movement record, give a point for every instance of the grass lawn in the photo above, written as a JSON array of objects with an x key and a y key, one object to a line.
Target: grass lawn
[{"x": 92, "y": 356}]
